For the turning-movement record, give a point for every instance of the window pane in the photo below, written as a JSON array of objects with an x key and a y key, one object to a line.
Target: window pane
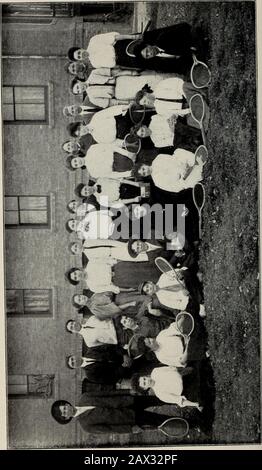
[
  {"x": 29, "y": 94},
  {"x": 33, "y": 202},
  {"x": 11, "y": 218},
  {"x": 8, "y": 112},
  {"x": 33, "y": 217},
  {"x": 17, "y": 379},
  {"x": 30, "y": 112},
  {"x": 17, "y": 390},
  {"x": 7, "y": 94},
  {"x": 14, "y": 301},
  {"x": 11, "y": 203},
  {"x": 37, "y": 300}
]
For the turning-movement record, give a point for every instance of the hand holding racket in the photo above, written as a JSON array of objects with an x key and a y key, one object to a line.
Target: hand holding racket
[{"x": 166, "y": 268}]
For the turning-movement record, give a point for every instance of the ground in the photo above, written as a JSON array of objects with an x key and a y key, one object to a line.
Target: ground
[{"x": 229, "y": 249}]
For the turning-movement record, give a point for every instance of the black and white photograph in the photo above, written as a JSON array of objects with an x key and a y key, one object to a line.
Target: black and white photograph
[{"x": 130, "y": 224}]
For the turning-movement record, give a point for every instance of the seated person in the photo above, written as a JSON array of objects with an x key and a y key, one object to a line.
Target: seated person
[
  {"x": 167, "y": 384},
  {"x": 174, "y": 173},
  {"x": 79, "y": 208},
  {"x": 146, "y": 325}
]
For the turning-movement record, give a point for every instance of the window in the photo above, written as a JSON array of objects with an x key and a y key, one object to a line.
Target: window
[
  {"x": 31, "y": 302},
  {"x": 25, "y": 104},
  {"x": 27, "y": 211},
  {"x": 31, "y": 386}
]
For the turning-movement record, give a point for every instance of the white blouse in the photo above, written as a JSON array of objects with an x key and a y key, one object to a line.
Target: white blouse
[{"x": 101, "y": 50}]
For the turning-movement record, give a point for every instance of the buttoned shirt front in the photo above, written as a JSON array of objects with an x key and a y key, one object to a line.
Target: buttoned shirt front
[
  {"x": 162, "y": 134},
  {"x": 99, "y": 276},
  {"x": 95, "y": 225},
  {"x": 166, "y": 90},
  {"x": 96, "y": 332}
]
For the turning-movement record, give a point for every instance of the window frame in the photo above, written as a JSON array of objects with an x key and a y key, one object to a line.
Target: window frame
[
  {"x": 29, "y": 226},
  {"x": 27, "y": 121},
  {"x": 37, "y": 314}
]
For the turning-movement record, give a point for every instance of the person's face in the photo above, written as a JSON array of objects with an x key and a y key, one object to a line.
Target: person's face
[
  {"x": 74, "y": 110},
  {"x": 145, "y": 382},
  {"x": 67, "y": 411},
  {"x": 151, "y": 343},
  {"x": 73, "y": 205},
  {"x": 143, "y": 132},
  {"x": 70, "y": 146},
  {"x": 82, "y": 130},
  {"x": 77, "y": 162},
  {"x": 139, "y": 247},
  {"x": 147, "y": 100},
  {"x": 81, "y": 54},
  {"x": 86, "y": 191},
  {"x": 148, "y": 288},
  {"x": 72, "y": 224},
  {"x": 73, "y": 326},
  {"x": 75, "y": 362},
  {"x": 144, "y": 170},
  {"x": 77, "y": 276},
  {"x": 76, "y": 248},
  {"x": 128, "y": 322},
  {"x": 76, "y": 67},
  {"x": 79, "y": 88},
  {"x": 80, "y": 299},
  {"x": 149, "y": 51}
]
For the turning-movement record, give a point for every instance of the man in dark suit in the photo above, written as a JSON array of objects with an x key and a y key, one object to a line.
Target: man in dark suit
[{"x": 101, "y": 414}]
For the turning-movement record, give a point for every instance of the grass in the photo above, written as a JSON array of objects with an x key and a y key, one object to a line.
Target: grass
[{"x": 229, "y": 251}]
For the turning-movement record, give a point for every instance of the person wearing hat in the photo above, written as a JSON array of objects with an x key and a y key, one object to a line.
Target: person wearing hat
[{"x": 174, "y": 173}]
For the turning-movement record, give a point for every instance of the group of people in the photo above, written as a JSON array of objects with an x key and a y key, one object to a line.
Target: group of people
[{"x": 138, "y": 150}]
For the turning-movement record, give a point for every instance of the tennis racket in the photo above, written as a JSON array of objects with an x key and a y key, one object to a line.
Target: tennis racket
[
  {"x": 185, "y": 323},
  {"x": 197, "y": 107},
  {"x": 166, "y": 268},
  {"x": 174, "y": 427},
  {"x": 130, "y": 347},
  {"x": 200, "y": 74},
  {"x": 132, "y": 143},
  {"x": 199, "y": 197},
  {"x": 136, "y": 113}
]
